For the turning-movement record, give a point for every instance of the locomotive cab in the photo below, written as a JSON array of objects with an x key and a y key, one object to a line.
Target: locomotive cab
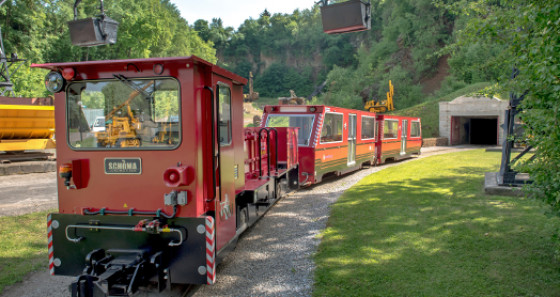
[{"x": 149, "y": 196}]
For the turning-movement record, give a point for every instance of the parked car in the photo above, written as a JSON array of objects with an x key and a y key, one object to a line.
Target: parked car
[{"x": 98, "y": 125}]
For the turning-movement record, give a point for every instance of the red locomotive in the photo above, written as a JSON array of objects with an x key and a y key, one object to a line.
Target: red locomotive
[{"x": 155, "y": 195}]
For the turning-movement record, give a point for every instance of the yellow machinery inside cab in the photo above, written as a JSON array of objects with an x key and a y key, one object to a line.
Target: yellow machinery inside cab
[{"x": 122, "y": 130}]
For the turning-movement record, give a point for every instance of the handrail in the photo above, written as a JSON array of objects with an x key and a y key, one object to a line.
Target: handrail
[
  {"x": 268, "y": 133},
  {"x": 213, "y": 126},
  {"x": 165, "y": 229}
]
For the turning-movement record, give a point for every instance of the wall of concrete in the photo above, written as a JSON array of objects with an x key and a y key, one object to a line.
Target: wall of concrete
[{"x": 471, "y": 107}]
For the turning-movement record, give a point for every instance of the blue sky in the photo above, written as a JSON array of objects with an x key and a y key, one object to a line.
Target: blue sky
[{"x": 233, "y": 13}]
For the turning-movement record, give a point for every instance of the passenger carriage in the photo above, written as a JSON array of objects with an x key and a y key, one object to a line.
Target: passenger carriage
[
  {"x": 330, "y": 140},
  {"x": 398, "y": 137}
]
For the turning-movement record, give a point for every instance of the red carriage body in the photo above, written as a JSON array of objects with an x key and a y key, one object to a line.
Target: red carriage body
[
  {"x": 331, "y": 139},
  {"x": 399, "y": 137}
]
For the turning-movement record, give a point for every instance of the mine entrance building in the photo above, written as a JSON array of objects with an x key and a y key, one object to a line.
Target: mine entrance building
[{"x": 472, "y": 120}]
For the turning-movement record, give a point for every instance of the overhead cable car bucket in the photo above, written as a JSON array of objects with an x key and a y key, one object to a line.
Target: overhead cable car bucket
[
  {"x": 93, "y": 31},
  {"x": 349, "y": 16},
  {"x": 100, "y": 30}
]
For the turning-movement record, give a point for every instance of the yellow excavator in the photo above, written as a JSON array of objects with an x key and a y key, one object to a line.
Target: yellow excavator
[
  {"x": 121, "y": 131},
  {"x": 382, "y": 106}
]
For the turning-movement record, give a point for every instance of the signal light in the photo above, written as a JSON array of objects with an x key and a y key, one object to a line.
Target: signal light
[
  {"x": 65, "y": 172},
  {"x": 176, "y": 176},
  {"x": 68, "y": 73}
]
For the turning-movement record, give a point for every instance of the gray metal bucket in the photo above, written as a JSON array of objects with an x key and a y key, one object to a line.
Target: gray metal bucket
[
  {"x": 350, "y": 16},
  {"x": 93, "y": 31}
]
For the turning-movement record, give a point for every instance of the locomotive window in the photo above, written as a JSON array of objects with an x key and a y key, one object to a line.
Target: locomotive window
[
  {"x": 304, "y": 122},
  {"x": 368, "y": 127},
  {"x": 123, "y": 113},
  {"x": 390, "y": 129},
  {"x": 224, "y": 125},
  {"x": 415, "y": 129},
  {"x": 332, "y": 128}
]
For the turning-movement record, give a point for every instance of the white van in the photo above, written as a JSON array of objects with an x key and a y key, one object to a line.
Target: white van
[{"x": 98, "y": 125}]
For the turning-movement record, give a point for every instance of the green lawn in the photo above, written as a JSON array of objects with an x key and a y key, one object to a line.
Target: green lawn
[
  {"x": 425, "y": 228},
  {"x": 23, "y": 246}
]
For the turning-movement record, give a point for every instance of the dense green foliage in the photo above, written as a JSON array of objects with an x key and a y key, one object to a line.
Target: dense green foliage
[
  {"x": 406, "y": 45},
  {"x": 400, "y": 48},
  {"x": 284, "y": 51},
  {"x": 426, "y": 228},
  {"x": 37, "y": 30},
  {"x": 527, "y": 34}
]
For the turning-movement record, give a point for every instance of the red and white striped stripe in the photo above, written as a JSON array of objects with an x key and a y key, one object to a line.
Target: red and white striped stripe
[
  {"x": 50, "y": 245},
  {"x": 319, "y": 126},
  {"x": 210, "y": 248}
]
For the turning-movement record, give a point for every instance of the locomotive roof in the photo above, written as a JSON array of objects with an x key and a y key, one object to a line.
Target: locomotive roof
[{"x": 111, "y": 65}]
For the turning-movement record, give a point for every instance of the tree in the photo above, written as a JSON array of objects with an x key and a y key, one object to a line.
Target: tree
[
  {"x": 37, "y": 30},
  {"x": 528, "y": 33},
  {"x": 219, "y": 34},
  {"x": 202, "y": 28}
]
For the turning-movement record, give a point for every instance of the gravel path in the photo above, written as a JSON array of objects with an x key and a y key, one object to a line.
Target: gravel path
[{"x": 273, "y": 258}]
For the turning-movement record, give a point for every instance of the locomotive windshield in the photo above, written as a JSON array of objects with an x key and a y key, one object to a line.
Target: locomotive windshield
[
  {"x": 123, "y": 113},
  {"x": 304, "y": 122}
]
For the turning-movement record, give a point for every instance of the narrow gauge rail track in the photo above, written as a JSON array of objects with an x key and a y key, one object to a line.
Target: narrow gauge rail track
[{"x": 9, "y": 157}]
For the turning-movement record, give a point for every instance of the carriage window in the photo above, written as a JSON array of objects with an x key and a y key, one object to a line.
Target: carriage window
[
  {"x": 304, "y": 122},
  {"x": 415, "y": 129},
  {"x": 390, "y": 129},
  {"x": 368, "y": 127},
  {"x": 332, "y": 128},
  {"x": 123, "y": 114},
  {"x": 224, "y": 126}
]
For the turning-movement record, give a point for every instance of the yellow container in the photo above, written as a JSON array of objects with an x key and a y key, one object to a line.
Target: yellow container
[{"x": 26, "y": 127}]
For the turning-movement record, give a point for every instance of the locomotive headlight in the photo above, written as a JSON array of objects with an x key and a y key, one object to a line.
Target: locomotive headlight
[{"x": 54, "y": 82}]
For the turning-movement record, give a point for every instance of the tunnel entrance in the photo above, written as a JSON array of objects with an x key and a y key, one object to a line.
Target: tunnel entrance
[{"x": 474, "y": 130}]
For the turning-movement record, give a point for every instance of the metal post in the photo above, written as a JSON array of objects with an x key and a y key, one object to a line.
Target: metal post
[{"x": 507, "y": 176}]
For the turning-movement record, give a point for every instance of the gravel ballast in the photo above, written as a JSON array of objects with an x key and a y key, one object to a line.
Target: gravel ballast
[{"x": 273, "y": 258}]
